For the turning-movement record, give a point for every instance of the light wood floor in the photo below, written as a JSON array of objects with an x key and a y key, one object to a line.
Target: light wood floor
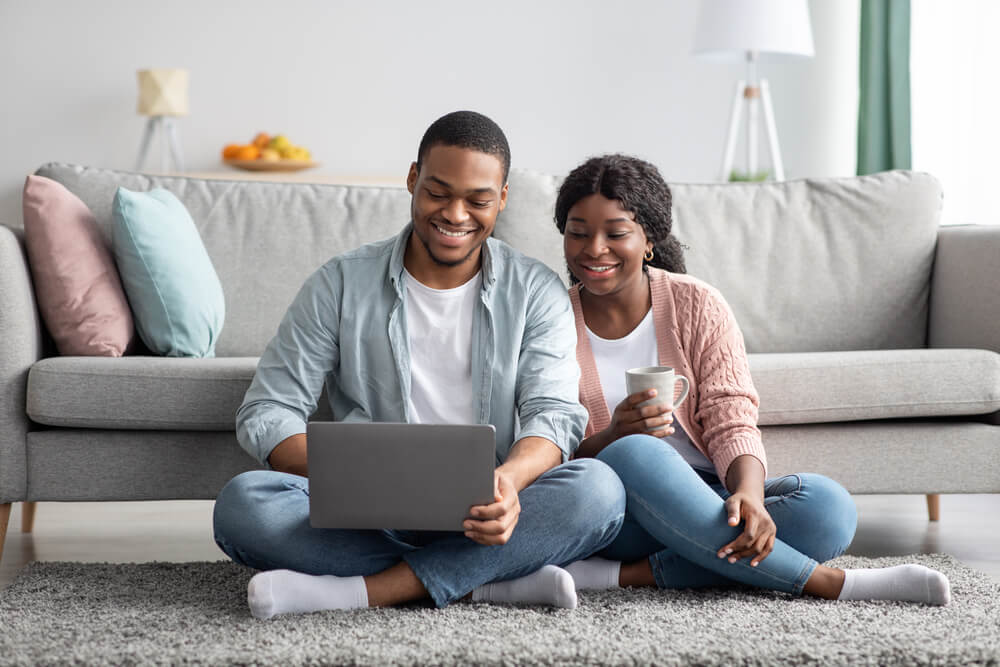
[{"x": 182, "y": 531}]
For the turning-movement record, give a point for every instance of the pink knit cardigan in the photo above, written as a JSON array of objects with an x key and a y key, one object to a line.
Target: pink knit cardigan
[{"x": 697, "y": 335}]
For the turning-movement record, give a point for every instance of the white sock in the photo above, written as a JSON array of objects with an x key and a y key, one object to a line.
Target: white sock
[
  {"x": 287, "y": 592},
  {"x": 549, "y": 585},
  {"x": 910, "y": 583},
  {"x": 596, "y": 574}
]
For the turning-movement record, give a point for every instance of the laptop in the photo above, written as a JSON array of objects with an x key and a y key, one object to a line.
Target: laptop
[{"x": 399, "y": 476}]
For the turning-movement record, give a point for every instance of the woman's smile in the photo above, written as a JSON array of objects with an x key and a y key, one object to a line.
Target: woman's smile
[
  {"x": 599, "y": 271},
  {"x": 604, "y": 245}
]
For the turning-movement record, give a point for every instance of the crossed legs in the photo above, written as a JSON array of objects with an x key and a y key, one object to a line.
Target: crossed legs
[
  {"x": 676, "y": 521},
  {"x": 262, "y": 520}
]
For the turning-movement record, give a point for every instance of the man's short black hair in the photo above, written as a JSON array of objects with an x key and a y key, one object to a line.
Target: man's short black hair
[{"x": 467, "y": 129}]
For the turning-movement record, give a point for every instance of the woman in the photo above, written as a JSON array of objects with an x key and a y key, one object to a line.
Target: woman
[{"x": 701, "y": 511}]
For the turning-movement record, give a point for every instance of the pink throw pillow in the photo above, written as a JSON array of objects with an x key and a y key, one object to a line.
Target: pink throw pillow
[{"x": 77, "y": 286}]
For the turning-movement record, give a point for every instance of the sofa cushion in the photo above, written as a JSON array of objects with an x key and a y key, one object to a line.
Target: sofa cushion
[
  {"x": 174, "y": 291},
  {"x": 139, "y": 392},
  {"x": 264, "y": 239},
  {"x": 77, "y": 286},
  {"x": 204, "y": 394},
  {"x": 528, "y": 221},
  {"x": 817, "y": 264},
  {"x": 807, "y": 265},
  {"x": 808, "y": 388}
]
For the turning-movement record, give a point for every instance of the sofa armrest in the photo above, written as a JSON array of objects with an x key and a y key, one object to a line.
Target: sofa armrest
[
  {"x": 965, "y": 288},
  {"x": 20, "y": 347}
]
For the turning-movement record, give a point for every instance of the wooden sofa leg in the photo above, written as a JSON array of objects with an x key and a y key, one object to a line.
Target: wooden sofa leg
[
  {"x": 27, "y": 516},
  {"x": 4, "y": 518},
  {"x": 933, "y": 506}
]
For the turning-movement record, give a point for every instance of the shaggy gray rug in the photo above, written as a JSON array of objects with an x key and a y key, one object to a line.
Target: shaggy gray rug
[{"x": 195, "y": 613}]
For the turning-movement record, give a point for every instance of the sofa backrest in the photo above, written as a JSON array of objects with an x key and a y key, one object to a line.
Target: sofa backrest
[
  {"x": 810, "y": 265},
  {"x": 264, "y": 239},
  {"x": 817, "y": 264}
]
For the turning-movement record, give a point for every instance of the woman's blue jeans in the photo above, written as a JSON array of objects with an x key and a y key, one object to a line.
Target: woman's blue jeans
[
  {"x": 676, "y": 516},
  {"x": 262, "y": 520}
]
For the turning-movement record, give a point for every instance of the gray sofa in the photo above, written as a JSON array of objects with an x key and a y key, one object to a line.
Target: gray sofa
[{"x": 873, "y": 333}]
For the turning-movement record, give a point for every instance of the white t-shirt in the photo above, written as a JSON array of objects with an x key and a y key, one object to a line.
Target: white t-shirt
[
  {"x": 637, "y": 349},
  {"x": 439, "y": 326}
]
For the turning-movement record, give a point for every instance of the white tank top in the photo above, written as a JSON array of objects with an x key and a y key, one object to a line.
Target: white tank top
[
  {"x": 637, "y": 348},
  {"x": 439, "y": 327}
]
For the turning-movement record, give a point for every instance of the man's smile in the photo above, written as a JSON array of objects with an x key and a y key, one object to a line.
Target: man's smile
[{"x": 459, "y": 233}]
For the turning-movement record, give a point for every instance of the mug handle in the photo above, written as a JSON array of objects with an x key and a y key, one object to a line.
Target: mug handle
[{"x": 684, "y": 391}]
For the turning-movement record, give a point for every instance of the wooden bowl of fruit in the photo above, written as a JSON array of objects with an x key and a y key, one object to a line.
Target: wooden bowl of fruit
[{"x": 267, "y": 153}]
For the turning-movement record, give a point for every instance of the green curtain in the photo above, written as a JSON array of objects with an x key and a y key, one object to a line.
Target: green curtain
[{"x": 884, "y": 109}]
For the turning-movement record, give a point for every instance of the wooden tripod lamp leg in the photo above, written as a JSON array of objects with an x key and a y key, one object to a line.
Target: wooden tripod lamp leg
[
  {"x": 732, "y": 131},
  {"x": 772, "y": 131},
  {"x": 933, "y": 506}
]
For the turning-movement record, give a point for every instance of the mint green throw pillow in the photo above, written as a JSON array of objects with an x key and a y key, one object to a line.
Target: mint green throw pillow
[{"x": 175, "y": 294}]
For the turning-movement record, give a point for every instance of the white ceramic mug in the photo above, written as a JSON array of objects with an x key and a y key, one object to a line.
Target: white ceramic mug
[{"x": 661, "y": 378}]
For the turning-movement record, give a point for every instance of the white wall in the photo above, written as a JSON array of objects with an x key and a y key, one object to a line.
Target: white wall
[{"x": 358, "y": 82}]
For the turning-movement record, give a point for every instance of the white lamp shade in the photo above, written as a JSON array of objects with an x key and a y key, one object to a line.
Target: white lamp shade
[
  {"x": 163, "y": 92},
  {"x": 774, "y": 29}
]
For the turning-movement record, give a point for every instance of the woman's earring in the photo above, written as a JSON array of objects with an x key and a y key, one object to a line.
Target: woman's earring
[{"x": 649, "y": 255}]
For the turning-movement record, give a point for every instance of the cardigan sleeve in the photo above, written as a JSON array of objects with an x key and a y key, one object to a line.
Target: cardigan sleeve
[{"x": 728, "y": 402}]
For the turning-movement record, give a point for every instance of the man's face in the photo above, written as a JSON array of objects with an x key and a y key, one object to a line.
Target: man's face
[{"x": 457, "y": 195}]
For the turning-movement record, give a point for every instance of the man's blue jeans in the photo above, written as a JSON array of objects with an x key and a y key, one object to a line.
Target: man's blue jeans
[
  {"x": 262, "y": 521},
  {"x": 676, "y": 516}
]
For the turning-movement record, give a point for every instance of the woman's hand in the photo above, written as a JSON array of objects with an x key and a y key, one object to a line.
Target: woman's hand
[
  {"x": 655, "y": 420},
  {"x": 759, "y": 530}
]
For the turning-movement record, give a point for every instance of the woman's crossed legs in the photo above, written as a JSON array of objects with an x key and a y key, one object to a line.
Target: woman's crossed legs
[{"x": 676, "y": 522}]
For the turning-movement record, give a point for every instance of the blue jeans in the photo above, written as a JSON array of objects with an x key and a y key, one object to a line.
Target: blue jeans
[
  {"x": 262, "y": 521},
  {"x": 676, "y": 516}
]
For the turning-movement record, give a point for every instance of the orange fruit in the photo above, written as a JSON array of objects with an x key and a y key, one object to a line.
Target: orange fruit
[
  {"x": 261, "y": 140},
  {"x": 229, "y": 152},
  {"x": 249, "y": 152}
]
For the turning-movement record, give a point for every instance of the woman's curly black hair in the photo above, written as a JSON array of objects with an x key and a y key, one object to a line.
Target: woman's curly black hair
[{"x": 640, "y": 189}]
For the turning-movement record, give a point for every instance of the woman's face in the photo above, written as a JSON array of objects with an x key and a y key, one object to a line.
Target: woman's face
[{"x": 604, "y": 245}]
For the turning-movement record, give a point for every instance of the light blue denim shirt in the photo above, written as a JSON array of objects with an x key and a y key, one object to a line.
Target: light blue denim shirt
[{"x": 347, "y": 328}]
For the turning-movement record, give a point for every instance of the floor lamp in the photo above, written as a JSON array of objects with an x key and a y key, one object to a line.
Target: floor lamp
[
  {"x": 163, "y": 95},
  {"x": 752, "y": 31}
]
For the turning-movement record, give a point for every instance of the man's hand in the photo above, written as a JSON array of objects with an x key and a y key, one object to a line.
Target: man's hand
[
  {"x": 759, "y": 531},
  {"x": 493, "y": 524}
]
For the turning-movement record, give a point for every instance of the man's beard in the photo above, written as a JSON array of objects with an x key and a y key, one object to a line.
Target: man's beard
[{"x": 442, "y": 262}]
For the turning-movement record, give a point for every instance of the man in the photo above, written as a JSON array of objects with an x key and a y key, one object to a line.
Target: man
[{"x": 374, "y": 324}]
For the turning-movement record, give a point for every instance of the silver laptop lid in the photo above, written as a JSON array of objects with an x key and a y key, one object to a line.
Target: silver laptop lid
[{"x": 402, "y": 476}]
